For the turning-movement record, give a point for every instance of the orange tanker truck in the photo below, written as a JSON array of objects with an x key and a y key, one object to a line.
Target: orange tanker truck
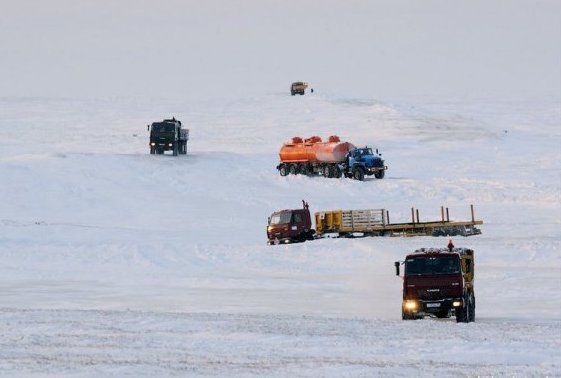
[{"x": 332, "y": 158}]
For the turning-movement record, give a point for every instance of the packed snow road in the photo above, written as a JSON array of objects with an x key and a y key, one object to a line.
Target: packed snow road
[{"x": 112, "y": 343}]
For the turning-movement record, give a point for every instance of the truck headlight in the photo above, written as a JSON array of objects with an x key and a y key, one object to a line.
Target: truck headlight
[
  {"x": 169, "y": 144},
  {"x": 457, "y": 303},
  {"x": 410, "y": 305},
  {"x": 152, "y": 144}
]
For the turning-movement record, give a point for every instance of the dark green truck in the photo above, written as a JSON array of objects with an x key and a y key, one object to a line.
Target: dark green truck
[{"x": 168, "y": 135}]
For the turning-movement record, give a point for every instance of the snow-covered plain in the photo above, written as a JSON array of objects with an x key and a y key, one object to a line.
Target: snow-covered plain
[{"x": 115, "y": 262}]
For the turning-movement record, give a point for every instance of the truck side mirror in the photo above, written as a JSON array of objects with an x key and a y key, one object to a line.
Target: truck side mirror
[
  {"x": 269, "y": 220},
  {"x": 396, "y": 268}
]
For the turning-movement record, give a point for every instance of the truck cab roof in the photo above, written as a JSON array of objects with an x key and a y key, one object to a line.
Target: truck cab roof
[{"x": 440, "y": 251}]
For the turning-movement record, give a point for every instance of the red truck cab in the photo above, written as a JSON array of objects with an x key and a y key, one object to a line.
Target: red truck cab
[
  {"x": 290, "y": 226},
  {"x": 438, "y": 282}
]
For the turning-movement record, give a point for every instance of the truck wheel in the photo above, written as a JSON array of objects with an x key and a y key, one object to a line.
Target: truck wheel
[
  {"x": 338, "y": 172},
  {"x": 152, "y": 150},
  {"x": 472, "y": 309},
  {"x": 292, "y": 169},
  {"x": 358, "y": 174},
  {"x": 409, "y": 316},
  {"x": 283, "y": 170},
  {"x": 379, "y": 174},
  {"x": 462, "y": 314},
  {"x": 326, "y": 171}
]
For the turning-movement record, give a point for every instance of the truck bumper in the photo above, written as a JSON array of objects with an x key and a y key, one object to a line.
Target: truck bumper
[
  {"x": 277, "y": 241},
  {"x": 421, "y": 307},
  {"x": 372, "y": 170},
  {"x": 162, "y": 146}
]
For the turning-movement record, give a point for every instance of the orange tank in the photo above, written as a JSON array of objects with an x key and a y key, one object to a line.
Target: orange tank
[{"x": 314, "y": 150}]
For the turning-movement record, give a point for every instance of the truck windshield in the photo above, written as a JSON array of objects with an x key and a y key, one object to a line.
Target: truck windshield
[
  {"x": 432, "y": 265},
  {"x": 362, "y": 152},
  {"x": 281, "y": 218},
  {"x": 163, "y": 127}
]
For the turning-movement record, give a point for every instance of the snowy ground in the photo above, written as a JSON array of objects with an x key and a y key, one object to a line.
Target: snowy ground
[{"x": 116, "y": 262}]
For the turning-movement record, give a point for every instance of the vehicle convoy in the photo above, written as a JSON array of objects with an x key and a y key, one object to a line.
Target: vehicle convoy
[
  {"x": 333, "y": 158},
  {"x": 168, "y": 135},
  {"x": 295, "y": 225},
  {"x": 298, "y": 87},
  {"x": 438, "y": 282}
]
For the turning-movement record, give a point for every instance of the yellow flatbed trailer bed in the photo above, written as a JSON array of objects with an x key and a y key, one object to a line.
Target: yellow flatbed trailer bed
[{"x": 375, "y": 222}]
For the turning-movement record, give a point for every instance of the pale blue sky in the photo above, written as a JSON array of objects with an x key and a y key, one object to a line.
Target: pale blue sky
[{"x": 383, "y": 49}]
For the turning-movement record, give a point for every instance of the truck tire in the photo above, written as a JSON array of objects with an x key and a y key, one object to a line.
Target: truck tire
[
  {"x": 152, "y": 150},
  {"x": 358, "y": 174},
  {"x": 283, "y": 170},
  {"x": 463, "y": 314},
  {"x": 379, "y": 174},
  {"x": 175, "y": 149},
  {"x": 292, "y": 169},
  {"x": 409, "y": 316},
  {"x": 306, "y": 170},
  {"x": 472, "y": 309},
  {"x": 406, "y": 316},
  {"x": 338, "y": 172},
  {"x": 326, "y": 171}
]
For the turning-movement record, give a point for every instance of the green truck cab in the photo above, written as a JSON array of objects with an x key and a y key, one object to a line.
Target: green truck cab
[{"x": 168, "y": 135}]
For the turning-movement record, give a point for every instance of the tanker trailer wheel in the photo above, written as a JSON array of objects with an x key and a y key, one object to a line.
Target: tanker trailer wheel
[
  {"x": 379, "y": 174},
  {"x": 292, "y": 169},
  {"x": 283, "y": 170},
  {"x": 326, "y": 171},
  {"x": 338, "y": 172},
  {"x": 358, "y": 174}
]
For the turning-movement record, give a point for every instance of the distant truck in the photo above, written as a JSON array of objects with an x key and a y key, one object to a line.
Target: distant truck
[
  {"x": 298, "y": 87},
  {"x": 295, "y": 225},
  {"x": 168, "y": 135},
  {"x": 290, "y": 226},
  {"x": 333, "y": 158},
  {"x": 438, "y": 282}
]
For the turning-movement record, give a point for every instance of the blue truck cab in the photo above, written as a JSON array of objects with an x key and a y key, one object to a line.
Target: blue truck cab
[{"x": 363, "y": 161}]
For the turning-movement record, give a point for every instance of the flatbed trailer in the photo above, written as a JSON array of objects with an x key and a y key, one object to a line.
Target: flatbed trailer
[{"x": 376, "y": 222}]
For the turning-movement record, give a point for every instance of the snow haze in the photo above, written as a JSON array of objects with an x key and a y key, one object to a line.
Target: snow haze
[
  {"x": 115, "y": 262},
  {"x": 217, "y": 48}
]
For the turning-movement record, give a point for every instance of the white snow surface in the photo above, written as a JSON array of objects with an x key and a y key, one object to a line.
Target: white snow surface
[{"x": 115, "y": 262}]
